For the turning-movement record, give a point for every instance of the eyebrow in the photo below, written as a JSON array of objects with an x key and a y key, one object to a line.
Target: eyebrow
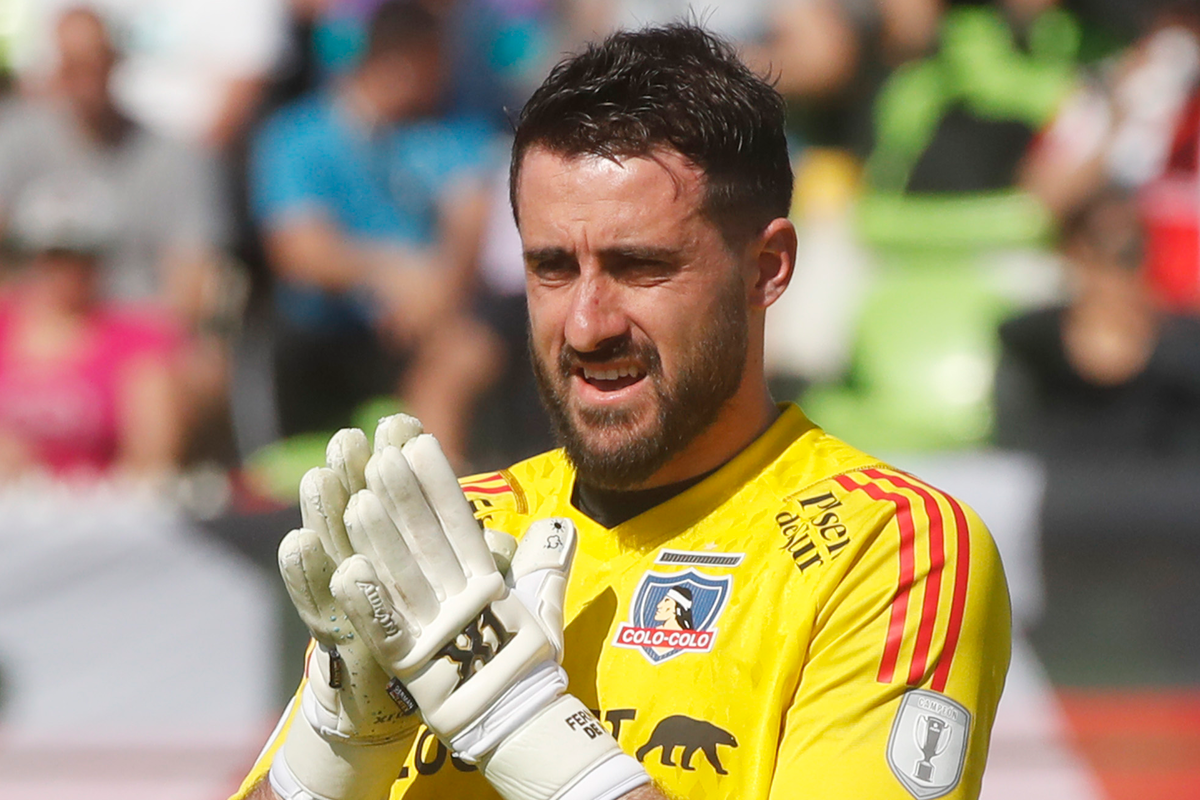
[{"x": 626, "y": 253}]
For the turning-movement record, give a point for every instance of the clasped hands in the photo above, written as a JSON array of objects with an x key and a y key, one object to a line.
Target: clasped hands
[{"x": 411, "y": 612}]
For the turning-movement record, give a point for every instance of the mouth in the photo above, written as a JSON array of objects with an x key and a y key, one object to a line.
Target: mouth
[{"x": 610, "y": 378}]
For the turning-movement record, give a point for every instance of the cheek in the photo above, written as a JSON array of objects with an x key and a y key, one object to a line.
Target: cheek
[
  {"x": 672, "y": 334},
  {"x": 545, "y": 325}
]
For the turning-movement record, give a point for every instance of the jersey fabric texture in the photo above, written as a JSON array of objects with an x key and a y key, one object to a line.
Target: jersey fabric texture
[{"x": 804, "y": 622}]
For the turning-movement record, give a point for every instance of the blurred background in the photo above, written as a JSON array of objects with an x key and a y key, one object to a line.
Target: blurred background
[{"x": 231, "y": 227}]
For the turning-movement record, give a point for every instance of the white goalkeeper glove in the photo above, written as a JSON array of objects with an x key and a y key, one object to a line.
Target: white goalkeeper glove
[
  {"x": 355, "y": 725},
  {"x": 479, "y": 655}
]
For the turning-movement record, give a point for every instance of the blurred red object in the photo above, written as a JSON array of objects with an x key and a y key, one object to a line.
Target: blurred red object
[
  {"x": 1171, "y": 211},
  {"x": 1143, "y": 744}
]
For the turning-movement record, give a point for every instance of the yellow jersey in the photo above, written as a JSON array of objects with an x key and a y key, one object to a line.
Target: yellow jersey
[{"x": 806, "y": 622}]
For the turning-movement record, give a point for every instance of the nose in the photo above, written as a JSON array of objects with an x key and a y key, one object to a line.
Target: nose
[{"x": 596, "y": 315}]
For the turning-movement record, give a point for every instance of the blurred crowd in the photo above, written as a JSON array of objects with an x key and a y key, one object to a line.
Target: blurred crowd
[{"x": 233, "y": 226}]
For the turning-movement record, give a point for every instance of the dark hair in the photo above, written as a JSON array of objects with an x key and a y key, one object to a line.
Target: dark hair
[
  {"x": 683, "y": 616},
  {"x": 675, "y": 87},
  {"x": 400, "y": 26}
]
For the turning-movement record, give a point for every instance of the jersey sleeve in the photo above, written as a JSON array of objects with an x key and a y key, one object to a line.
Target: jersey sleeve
[
  {"x": 498, "y": 500},
  {"x": 908, "y": 656}
]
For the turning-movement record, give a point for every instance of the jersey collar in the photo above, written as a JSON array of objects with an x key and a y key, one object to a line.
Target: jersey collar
[{"x": 660, "y": 524}]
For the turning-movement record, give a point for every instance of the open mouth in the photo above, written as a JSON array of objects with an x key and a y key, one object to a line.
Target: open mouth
[{"x": 611, "y": 378}]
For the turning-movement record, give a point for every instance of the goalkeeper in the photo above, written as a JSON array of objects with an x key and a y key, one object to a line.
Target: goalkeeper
[{"x": 711, "y": 597}]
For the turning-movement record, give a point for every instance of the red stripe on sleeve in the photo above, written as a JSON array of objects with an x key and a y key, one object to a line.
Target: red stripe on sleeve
[
  {"x": 895, "y": 633},
  {"x": 962, "y": 567},
  {"x": 933, "y": 583},
  {"x": 474, "y": 487}
]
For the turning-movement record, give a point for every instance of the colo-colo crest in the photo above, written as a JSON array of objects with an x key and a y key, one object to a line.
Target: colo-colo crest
[{"x": 674, "y": 613}]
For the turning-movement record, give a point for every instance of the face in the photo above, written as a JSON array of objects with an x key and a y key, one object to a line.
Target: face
[
  {"x": 665, "y": 610},
  {"x": 410, "y": 82},
  {"x": 64, "y": 280},
  {"x": 86, "y": 60},
  {"x": 638, "y": 311}
]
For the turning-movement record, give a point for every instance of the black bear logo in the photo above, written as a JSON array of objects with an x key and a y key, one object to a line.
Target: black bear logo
[{"x": 691, "y": 735}]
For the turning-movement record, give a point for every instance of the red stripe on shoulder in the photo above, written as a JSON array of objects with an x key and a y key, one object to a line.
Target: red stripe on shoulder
[
  {"x": 958, "y": 603},
  {"x": 933, "y": 583},
  {"x": 488, "y": 483},
  {"x": 474, "y": 487},
  {"x": 899, "y": 612},
  {"x": 496, "y": 483}
]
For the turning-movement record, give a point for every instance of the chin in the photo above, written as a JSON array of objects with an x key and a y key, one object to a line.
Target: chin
[{"x": 612, "y": 428}]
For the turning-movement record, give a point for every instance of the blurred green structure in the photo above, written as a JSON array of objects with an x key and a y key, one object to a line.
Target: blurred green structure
[{"x": 940, "y": 202}]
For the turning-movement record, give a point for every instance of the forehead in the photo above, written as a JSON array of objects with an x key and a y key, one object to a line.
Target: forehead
[{"x": 620, "y": 198}]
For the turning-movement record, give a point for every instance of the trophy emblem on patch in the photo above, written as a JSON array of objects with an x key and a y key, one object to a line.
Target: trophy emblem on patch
[
  {"x": 932, "y": 743},
  {"x": 928, "y": 744}
]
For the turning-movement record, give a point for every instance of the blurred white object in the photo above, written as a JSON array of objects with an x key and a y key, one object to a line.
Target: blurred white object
[
  {"x": 501, "y": 260},
  {"x": 810, "y": 329},
  {"x": 1148, "y": 100},
  {"x": 135, "y": 654},
  {"x": 180, "y": 55},
  {"x": 743, "y": 20},
  {"x": 57, "y": 213}
]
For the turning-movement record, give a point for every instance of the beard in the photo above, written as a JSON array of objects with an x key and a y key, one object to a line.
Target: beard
[{"x": 606, "y": 445}]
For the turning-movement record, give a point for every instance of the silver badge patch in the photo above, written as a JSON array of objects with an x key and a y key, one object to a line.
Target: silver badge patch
[{"x": 928, "y": 744}]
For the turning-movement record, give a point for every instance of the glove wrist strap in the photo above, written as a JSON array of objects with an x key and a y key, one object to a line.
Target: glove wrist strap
[
  {"x": 562, "y": 753},
  {"x": 515, "y": 707},
  {"x": 311, "y": 768}
]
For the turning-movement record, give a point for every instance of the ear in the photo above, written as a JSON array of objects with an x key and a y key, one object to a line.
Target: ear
[{"x": 773, "y": 256}]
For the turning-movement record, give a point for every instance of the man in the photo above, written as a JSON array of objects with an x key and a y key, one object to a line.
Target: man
[
  {"x": 161, "y": 194},
  {"x": 169, "y": 229},
  {"x": 194, "y": 69},
  {"x": 371, "y": 206},
  {"x": 849, "y": 626}
]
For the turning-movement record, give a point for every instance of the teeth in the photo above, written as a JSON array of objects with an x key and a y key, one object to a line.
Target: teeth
[{"x": 593, "y": 374}]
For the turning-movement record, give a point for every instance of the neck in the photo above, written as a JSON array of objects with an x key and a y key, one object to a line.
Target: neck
[
  {"x": 47, "y": 332},
  {"x": 106, "y": 125},
  {"x": 359, "y": 100}
]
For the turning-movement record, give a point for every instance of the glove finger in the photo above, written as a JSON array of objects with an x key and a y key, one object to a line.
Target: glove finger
[
  {"x": 395, "y": 430},
  {"x": 392, "y": 480},
  {"x": 379, "y": 618},
  {"x": 503, "y": 546},
  {"x": 444, "y": 495},
  {"x": 307, "y": 569},
  {"x": 539, "y": 573},
  {"x": 374, "y": 535},
  {"x": 347, "y": 454},
  {"x": 323, "y": 500}
]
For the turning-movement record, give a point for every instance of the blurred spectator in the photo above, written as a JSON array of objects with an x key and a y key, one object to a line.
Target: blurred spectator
[
  {"x": 162, "y": 195},
  {"x": 832, "y": 57},
  {"x": 194, "y": 69},
  {"x": 1137, "y": 124},
  {"x": 86, "y": 387},
  {"x": 372, "y": 208},
  {"x": 958, "y": 243},
  {"x": 1107, "y": 373},
  {"x": 956, "y": 125},
  {"x": 495, "y": 51}
]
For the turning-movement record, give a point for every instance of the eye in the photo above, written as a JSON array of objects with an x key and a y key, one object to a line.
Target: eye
[
  {"x": 643, "y": 269},
  {"x": 552, "y": 269}
]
